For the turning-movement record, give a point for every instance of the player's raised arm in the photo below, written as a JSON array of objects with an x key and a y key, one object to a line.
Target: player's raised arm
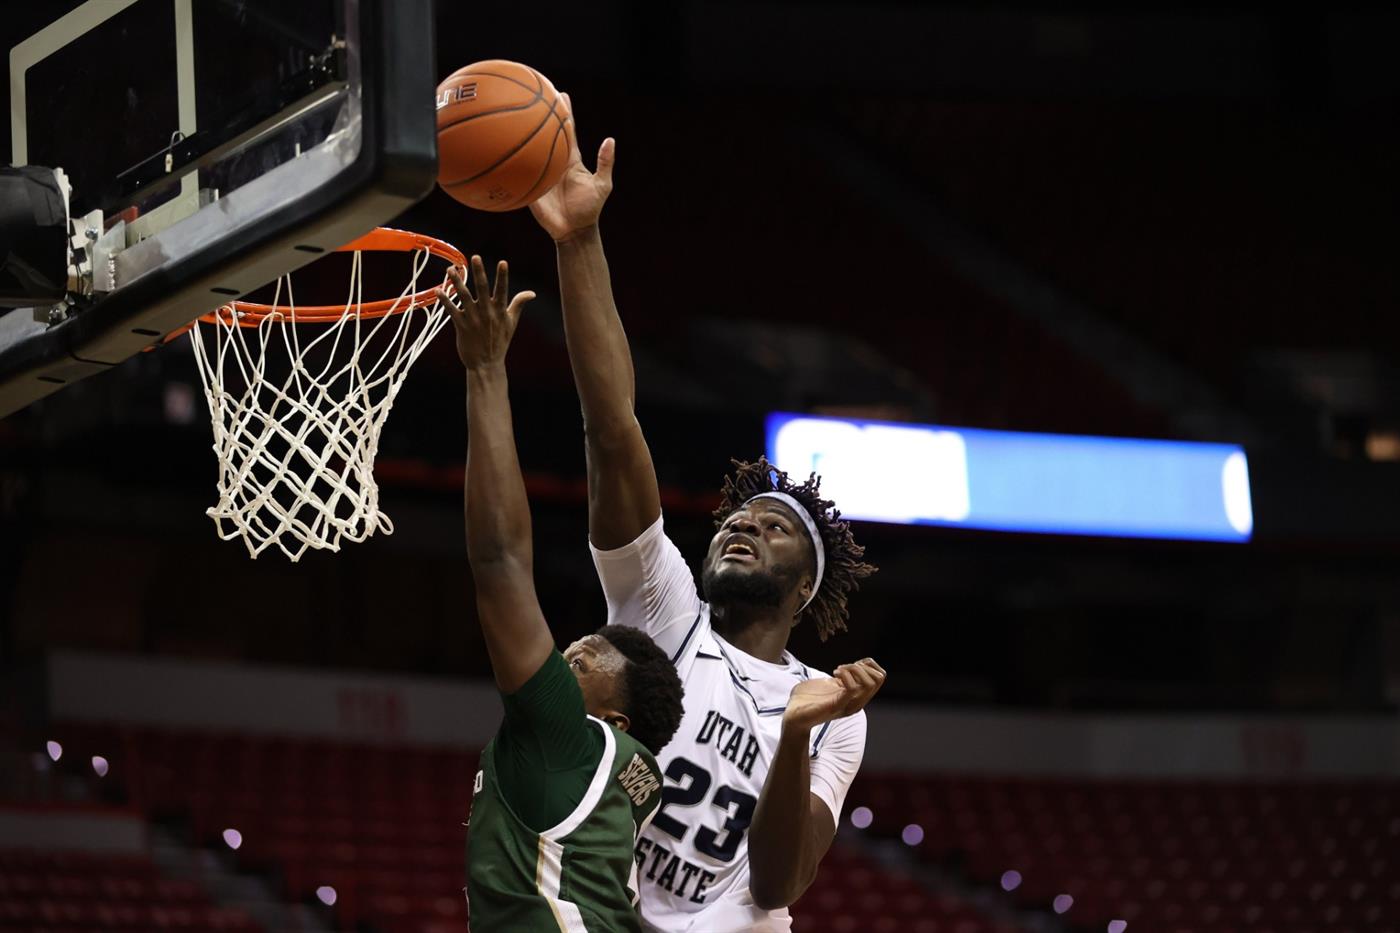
[
  {"x": 499, "y": 542},
  {"x": 792, "y": 826},
  {"x": 622, "y": 494}
]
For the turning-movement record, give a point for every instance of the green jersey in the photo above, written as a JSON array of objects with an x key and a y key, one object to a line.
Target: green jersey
[{"x": 556, "y": 810}]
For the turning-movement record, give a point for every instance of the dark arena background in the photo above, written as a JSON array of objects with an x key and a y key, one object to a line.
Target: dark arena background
[{"x": 1166, "y": 221}]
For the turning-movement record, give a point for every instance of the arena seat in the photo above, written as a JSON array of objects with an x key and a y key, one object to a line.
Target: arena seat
[
  {"x": 1230, "y": 854},
  {"x": 383, "y": 827},
  {"x": 49, "y": 892}
]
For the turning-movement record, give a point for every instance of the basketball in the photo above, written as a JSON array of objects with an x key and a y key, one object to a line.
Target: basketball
[{"x": 501, "y": 138}]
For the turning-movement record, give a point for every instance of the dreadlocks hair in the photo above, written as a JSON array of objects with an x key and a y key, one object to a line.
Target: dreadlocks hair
[
  {"x": 844, "y": 567},
  {"x": 651, "y": 689}
]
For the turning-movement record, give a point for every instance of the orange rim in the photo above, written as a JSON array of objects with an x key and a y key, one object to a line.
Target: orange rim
[{"x": 380, "y": 239}]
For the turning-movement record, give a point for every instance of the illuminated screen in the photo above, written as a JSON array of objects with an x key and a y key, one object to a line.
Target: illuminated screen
[{"x": 921, "y": 474}]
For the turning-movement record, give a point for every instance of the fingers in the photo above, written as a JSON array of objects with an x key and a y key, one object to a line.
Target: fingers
[
  {"x": 502, "y": 287},
  {"x": 483, "y": 288},
  {"x": 607, "y": 154},
  {"x": 518, "y": 303},
  {"x": 870, "y": 674},
  {"x": 864, "y": 679},
  {"x": 868, "y": 664},
  {"x": 497, "y": 294},
  {"x": 454, "y": 275},
  {"x": 570, "y": 133},
  {"x": 846, "y": 675}
]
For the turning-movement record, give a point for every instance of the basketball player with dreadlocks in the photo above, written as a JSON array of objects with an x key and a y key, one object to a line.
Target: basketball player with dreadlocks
[
  {"x": 570, "y": 777},
  {"x": 757, "y": 774}
]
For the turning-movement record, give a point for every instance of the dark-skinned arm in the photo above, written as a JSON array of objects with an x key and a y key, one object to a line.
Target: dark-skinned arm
[
  {"x": 792, "y": 827},
  {"x": 500, "y": 546},
  {"x": 623, "y": 500}
]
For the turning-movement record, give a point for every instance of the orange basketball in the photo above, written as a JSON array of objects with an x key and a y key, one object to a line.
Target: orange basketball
[{"x": 501, "y": 139}]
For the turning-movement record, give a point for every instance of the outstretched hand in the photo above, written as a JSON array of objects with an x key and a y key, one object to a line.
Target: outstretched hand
[
  {"x": 574, "y": 203},
  {"x": 845, "y": 693},
  {"x": 485, "y": 322}
]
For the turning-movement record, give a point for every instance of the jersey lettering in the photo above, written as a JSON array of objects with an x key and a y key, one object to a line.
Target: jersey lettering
[
  {"x": 738, "y": 808},
  {"x": 690, "y": 782},
  {"x": 687, "y": 785},
  {"x": 638, "y": 780},
  {"x": 730, "y": 738},
  {"x": 677, "y": 874}
]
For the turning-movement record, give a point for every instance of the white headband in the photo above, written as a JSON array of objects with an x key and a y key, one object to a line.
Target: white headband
[{"x": 811, "y": 525}]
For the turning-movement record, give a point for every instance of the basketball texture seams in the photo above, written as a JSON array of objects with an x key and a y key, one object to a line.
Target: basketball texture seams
[
  {"x": 523, "y": 143},
  {"x": 538, "y": 187},
  {"x": 500, "y": 125}
]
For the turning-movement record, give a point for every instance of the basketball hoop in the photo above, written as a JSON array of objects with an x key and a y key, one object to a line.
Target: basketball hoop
[{"x": 299, "y": 395}]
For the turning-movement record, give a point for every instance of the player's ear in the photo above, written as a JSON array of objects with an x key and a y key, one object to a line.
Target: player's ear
[
  {"x": 804, "y": 593},
  {"x": 618, "y": 719}
]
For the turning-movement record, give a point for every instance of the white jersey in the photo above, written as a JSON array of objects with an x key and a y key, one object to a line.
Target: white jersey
[{"x": 693, "y": 861}]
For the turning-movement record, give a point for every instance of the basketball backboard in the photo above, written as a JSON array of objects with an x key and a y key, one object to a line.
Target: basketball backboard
[{"x": 209, "y": 147}]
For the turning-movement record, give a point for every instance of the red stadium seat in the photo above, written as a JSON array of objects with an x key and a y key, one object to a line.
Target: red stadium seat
[
  {"x": 1156, "y": 847},
  {"x": 381, "y": 827},
  {"x": 62, "y": 890}
]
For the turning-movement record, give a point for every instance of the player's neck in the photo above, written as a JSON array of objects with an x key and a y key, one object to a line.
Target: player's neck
[{"x": 762, "y": 634}]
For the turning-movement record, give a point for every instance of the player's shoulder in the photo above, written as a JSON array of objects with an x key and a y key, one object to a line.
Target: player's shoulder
[
  {"x": 636, "y": 770},
  {"x": 630, "y": 749}
]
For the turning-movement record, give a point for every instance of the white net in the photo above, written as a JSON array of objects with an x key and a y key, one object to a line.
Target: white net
[{"x": 298, "y": 406}]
